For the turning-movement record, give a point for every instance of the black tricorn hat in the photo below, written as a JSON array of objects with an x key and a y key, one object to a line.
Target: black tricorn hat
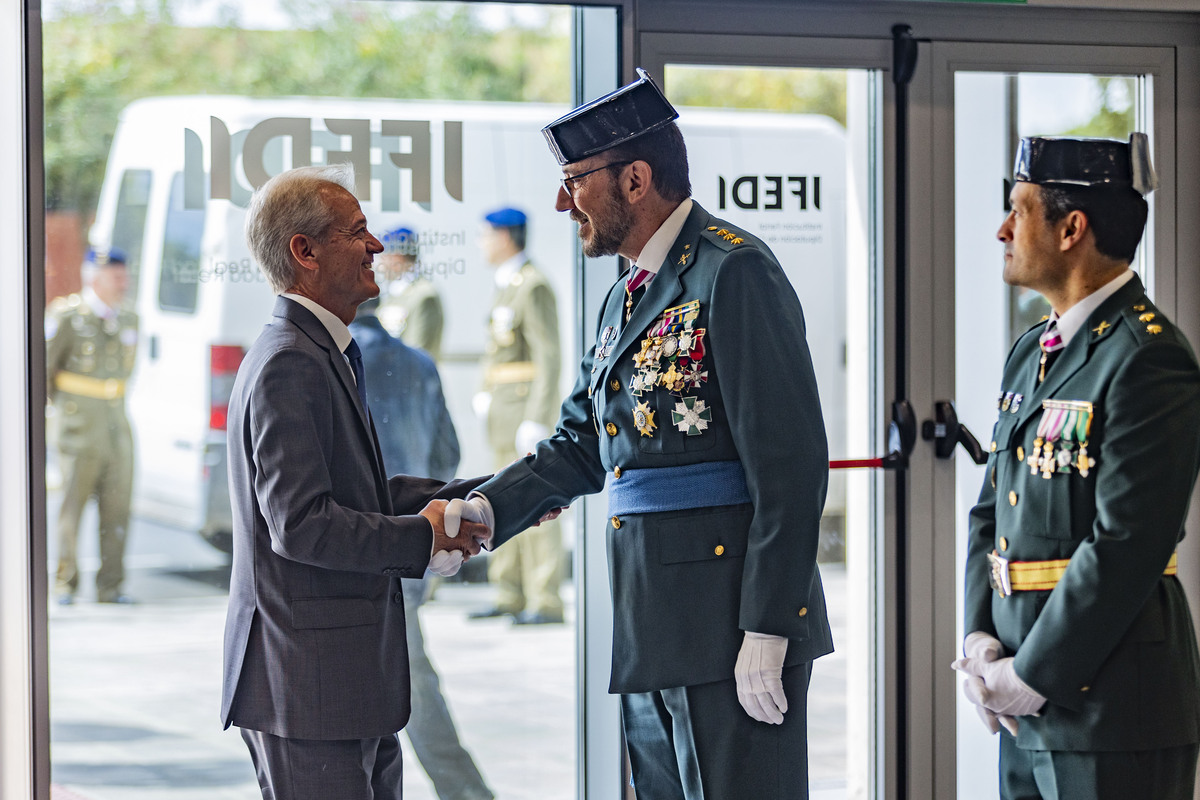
[
  {"x": 1087, "y": 162},
  {"x": 629, "y": 112}
]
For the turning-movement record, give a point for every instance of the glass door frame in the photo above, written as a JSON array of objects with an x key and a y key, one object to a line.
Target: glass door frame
[
  {"x": 655, "y": 52},
  {"x": 933, "y": 238}
]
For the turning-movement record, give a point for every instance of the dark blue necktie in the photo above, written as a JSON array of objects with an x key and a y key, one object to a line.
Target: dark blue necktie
[{"x": 356, "y": 365}]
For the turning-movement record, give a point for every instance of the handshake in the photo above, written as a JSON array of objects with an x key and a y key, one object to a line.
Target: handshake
[{"x": 461, "y": 528}]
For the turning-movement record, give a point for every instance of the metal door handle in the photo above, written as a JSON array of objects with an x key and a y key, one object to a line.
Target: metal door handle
[{"x": 946, "y": 433}]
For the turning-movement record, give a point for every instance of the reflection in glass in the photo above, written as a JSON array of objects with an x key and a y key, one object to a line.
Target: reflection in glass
[{"x": 160, "y": 120}]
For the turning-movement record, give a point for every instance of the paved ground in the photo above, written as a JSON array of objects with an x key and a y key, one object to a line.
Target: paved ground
[{"x": 135, "y": 691}]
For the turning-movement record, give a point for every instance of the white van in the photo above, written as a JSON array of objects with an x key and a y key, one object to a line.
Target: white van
[{"x": 181, "y": 170}]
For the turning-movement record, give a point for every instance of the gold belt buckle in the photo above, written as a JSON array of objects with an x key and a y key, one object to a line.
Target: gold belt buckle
[{"x": 998, "y": 574}]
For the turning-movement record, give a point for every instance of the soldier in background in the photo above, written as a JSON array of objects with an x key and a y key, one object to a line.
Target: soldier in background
[
  {"x": 520, "y": 401},
  {"x": 410, "y": 306},
  {"x": 91, "y": 341}
]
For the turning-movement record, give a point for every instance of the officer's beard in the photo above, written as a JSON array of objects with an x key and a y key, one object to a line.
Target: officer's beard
[{"x": 611, "y": 227}]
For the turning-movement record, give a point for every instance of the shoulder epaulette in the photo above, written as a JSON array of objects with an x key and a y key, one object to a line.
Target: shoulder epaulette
[{"x": 725, "y": 238}]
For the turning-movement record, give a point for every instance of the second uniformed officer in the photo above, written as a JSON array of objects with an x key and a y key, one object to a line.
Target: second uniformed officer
[
  {"x": 520, "y": 402},
  {"x": 91, "y": 341},
  {"x": 1079, "y": 638},
  {"x": 698, "y": 402}
]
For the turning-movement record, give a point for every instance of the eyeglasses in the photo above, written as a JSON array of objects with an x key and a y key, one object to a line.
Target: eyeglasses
[{"x": 568, "y": 184}]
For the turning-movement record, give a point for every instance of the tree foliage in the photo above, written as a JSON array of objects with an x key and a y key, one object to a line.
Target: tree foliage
[{"x": 101, "y": 55}]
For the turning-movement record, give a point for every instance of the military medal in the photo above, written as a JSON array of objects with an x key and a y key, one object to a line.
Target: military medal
[
  {"x": 670, "y": 356},
  {"x": 643, "y": 418},
  {"x": 1066, "y": 423},
  {"x": 691, "y": 416},
  {"x": 607, "y": 339}
]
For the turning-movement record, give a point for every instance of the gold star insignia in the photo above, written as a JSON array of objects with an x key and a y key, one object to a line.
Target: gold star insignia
[
  {"x": 1102, "y": 327},
  {"x": 1139, "y": 307},
  {"x": 1149, "y": 315},
  {"x": 1154, "y": 329},
  {"x": 738, "y": 240}
]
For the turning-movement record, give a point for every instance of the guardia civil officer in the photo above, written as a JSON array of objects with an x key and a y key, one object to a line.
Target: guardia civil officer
[
  {"x": 1080, "y": 648},
  {"x": 91, "y": 344},
  {"x": 519, "y": 402},
  {"x": 698, "y": 405}
]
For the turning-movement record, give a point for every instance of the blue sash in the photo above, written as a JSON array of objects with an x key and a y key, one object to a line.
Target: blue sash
[{"x": 646, "y": 491}]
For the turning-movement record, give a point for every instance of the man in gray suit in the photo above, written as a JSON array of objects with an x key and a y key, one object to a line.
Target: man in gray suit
[{"x": 316, "y": 669}]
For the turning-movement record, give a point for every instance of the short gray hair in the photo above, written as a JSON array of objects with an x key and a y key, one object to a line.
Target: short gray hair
[{"x": 292, "y": 202}]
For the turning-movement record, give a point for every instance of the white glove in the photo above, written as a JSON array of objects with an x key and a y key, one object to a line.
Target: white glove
[
  {"x": 474, "y": 509},
  {"x": 529, "y": 433},
  {"x": 759, "y": 676},
  {"x": 446, "y": 562},
  {"x": 480, "y": 404},
  {"x": 996, "y": 686},
  {"x": 985, "y": 647}
]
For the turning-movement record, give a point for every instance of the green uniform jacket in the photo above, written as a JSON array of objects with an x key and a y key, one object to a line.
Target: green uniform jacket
[
  {"x": 687, "y": 583},
  {"x": 522, "y": 330},
  {"x": 1111, "y": 646},
  {"x": 415, "y": 316},
  {"x": 100, "y": 350}
]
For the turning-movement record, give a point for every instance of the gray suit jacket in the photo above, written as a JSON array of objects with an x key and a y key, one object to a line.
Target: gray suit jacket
[{"x": 314, "y": 638}]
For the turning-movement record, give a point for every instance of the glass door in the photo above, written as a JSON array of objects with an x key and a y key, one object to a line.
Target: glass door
[
  {"x": 999, "y": 94},
  {"x": 158, "y": 126},
  {"x": 786, "y": 144}
]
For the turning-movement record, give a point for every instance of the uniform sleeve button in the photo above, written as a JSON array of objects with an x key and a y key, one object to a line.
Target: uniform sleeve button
[
  {"x": 1020, "y": 453},
  {"x": 993, "y": 447},
  {"x": 1085, "y": 688},
  {"x": 719, "y": 550},
  {"x": 1012, "y": 498},
  {"x": 616, "y": 522},
  {"x": 616, "y": 472},
  {"x": 804, "y": 612},
  {"x": 1003, "y": 544},
  {"x": 616, "y": 385},
  {"x": 611, "y": 428},
  {"x": 398, "y": 598}
]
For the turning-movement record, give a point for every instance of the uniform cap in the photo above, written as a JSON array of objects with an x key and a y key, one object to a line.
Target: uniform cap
[
  {"x": 506, "y": 218},
  {"x": 400, "y": 240},
  {"x": 1087, "y": 162},
  {"x": 634, "y": 109},
  {"x": 103, "y": 256}
]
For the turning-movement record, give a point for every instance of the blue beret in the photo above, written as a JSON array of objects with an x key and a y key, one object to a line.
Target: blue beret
[
  {"x": 506, "y": 218},
  {"x": 101, "y": 256},
  {"x": 401, "y": 240}
]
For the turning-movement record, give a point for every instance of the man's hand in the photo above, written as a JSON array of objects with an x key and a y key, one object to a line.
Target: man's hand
[
  {"x": 985, "y": 647},
  {"x": 995, "y": 686},
  {"x": 549, "y": 515},
  {"x": 759, "y": 677},
  {"x": 449, "y": 549},
  {"x": 476, "y": 512}
]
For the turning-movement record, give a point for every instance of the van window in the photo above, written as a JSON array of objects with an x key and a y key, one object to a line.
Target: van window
[
  {"x": 129, "y": 221},
  {"x": 181, "y": 252}
]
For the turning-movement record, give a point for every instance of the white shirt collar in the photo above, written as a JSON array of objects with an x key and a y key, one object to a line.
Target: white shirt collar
[
  {"x": 1074, "y": 317},
  {"x": 505, "y": 272},
  {"x": 98, "y": 306},
  {"x": 337, "y": 329},
  {"x": 655, "y": 251}
]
